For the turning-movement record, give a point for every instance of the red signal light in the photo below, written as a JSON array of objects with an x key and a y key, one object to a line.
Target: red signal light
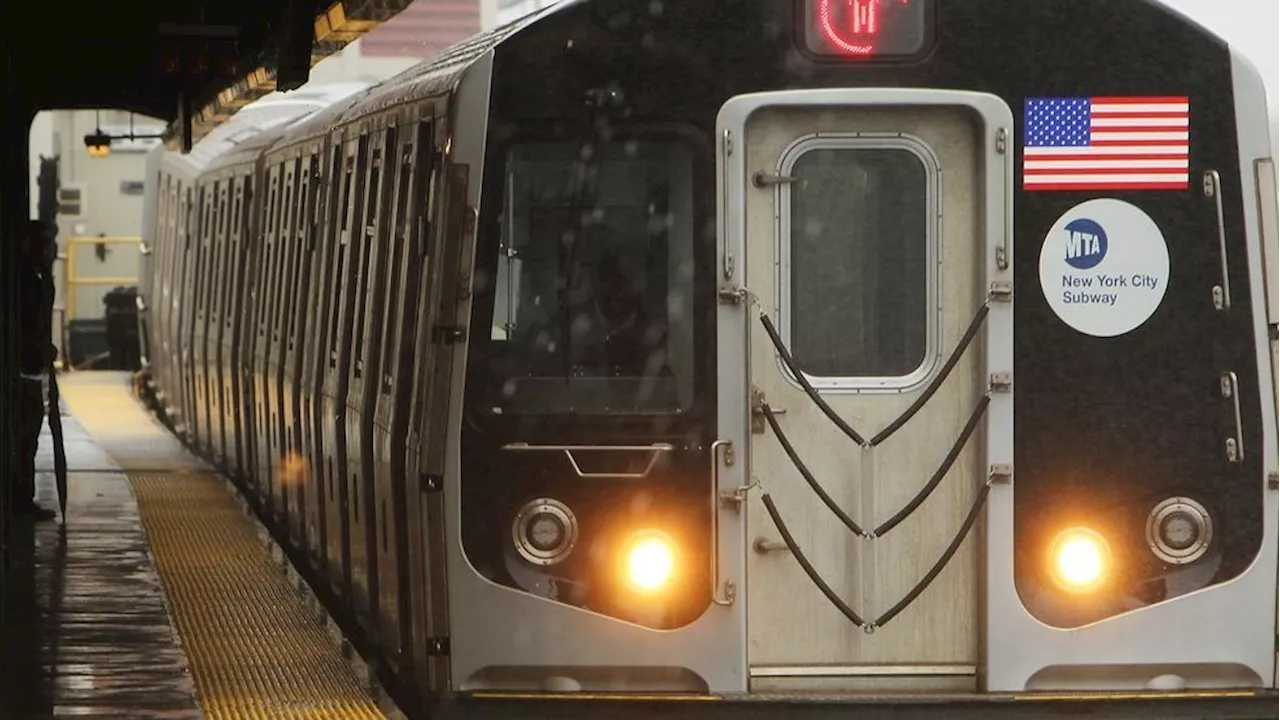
[
  {"x": 861, "y": 24},
  {"x": 868, "y": 28}
]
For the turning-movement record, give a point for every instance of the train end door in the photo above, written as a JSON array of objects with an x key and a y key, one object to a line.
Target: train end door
[{"x": 866, "y": 340}]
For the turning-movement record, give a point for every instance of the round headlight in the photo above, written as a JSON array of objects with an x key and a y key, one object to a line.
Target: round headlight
[
  {"x": 544, "y": 531},
  {"x": 649, "y": 561},
  {"x": 1079, "y": 559},
  {"x": 1179, "y": 530}
]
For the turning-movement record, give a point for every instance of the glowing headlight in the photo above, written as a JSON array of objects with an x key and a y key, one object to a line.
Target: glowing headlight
[
  {"x": 1079, "y": 559},
  {"x": 649, "y": 561}
]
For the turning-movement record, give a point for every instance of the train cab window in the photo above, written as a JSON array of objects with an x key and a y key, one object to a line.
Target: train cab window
[
  {"x": 856, "y": 254},
  {"x": 594, "y": 288}
]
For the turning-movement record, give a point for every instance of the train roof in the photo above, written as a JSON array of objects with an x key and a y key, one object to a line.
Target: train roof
[
  {"x": 275, "y": 111},
  {"x": 288, "y": 118},
  {"x": 441, "y": 73},
  {"x": 323, "y": 120}
]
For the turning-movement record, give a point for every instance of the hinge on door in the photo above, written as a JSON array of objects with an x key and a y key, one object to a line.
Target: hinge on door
[
  {"x": 432, "y": 483},
  {"x": 1000, "y": 473},
  {"x": 757, "y": 412},
  {"x": 758, "y": 401},
  {"x": 1002, "y": 291},
  {"x": 447, "y": 334},
  {"x": 1001, "y": 382},
  {"x": 1273, "y": 480},
  {"x": 438, "y": 646},
  {"x": 733, "y": 499},
  {"x": 732, "y": 294}
]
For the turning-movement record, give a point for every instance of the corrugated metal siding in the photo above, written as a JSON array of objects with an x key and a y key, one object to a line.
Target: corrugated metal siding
[{"x": 423, "y": 29}]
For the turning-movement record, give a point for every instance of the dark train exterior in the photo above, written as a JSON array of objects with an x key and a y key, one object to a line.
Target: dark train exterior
[{"x": 756, "y": 346}]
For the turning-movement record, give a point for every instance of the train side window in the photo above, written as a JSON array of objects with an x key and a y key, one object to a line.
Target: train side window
[
  {"x": 423, "y": 212},
  {"x": 219, "y": 257},
  {"x": 224, "y": 247},
  {"x": 857, "y": 281},
  {"x": 193, "y": 254},
  {"x": 326, "y": 221},
  {"x": 396, "y": 305},
  {"x": 233, "y": 250},
  {"x": 264, "y": 257},
  {"x": 277, "y": 256},
  {"x": 301, "y": 233},
  {"x": 342, "y": 247},
  {"x": 284, "y": 242},
  {"x": 201, "y": 243},
  {"x": 295, "y": 210},
  {"x": 367, "y": 239},
  {"x": 246, "y": 253},
  {"x": 387, "y": 248},
  {"x": 316, "y": 247}
]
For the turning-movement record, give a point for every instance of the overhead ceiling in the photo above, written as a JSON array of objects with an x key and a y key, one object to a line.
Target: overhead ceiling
[{"x": 157, "y": 56}]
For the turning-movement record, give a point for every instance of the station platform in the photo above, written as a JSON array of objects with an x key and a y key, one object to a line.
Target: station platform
[{"x": 158, "y": 595}]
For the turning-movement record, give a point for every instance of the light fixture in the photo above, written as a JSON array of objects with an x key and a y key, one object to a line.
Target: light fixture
[
  {"x": 544, "y": 531},
  {"x": 1079, "y": 559},
  {"x": 1179, "y": 530},
  {"x": 649, "y": 561},
  {"x": 98, "y": 143}
]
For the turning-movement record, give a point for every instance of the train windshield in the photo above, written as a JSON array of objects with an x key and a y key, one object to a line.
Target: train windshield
[{"x": 593, "y": 306}]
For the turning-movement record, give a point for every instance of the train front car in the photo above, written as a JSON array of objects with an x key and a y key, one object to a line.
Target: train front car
[{"x": 750, "y": 406}]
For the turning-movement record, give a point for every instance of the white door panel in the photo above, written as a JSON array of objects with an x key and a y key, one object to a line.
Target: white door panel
[{"x": 864, "y": 240}]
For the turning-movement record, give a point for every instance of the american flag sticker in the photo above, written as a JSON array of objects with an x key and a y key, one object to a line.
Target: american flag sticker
[{"x": 1105, "y": 143}]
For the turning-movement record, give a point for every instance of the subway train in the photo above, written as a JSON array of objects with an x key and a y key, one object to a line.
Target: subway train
[{"x": 754, "y": 347}]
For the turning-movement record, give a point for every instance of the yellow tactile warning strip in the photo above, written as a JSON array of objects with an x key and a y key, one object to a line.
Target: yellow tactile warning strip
[{"x": 254, "y": 649}]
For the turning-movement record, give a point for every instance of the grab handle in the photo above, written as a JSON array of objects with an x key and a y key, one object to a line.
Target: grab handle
[
  {"x": 730, "y": 590},
  {"x": 1213, "y": 189}
]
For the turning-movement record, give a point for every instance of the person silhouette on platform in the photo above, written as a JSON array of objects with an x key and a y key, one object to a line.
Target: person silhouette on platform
[{"x": 36, "y": 355}]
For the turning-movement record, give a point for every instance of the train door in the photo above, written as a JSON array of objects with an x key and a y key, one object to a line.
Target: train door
[{"x": 859, "y": 252}]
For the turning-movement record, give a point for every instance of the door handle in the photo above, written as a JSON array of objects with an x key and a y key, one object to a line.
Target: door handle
[{"x": 1230, "y": 387}]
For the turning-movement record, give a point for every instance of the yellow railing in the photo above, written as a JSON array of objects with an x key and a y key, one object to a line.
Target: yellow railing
[{"x": 72, "y": 281}]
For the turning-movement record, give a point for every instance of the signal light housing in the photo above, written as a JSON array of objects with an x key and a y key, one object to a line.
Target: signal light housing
[{"x": 868, "y": 29}]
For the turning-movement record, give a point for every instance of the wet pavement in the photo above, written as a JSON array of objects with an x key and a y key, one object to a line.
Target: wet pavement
[{"x": 86, "y": 631}]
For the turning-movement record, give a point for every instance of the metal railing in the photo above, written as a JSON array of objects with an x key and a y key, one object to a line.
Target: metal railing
[
  {"x": 72, "y": 280},
  {"x": 64, "y": 308}
]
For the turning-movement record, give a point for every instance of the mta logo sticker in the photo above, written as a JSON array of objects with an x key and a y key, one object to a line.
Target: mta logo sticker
[
  {"x": 1104, "y": 267},
  {"x": 1086, "y": 243}
]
